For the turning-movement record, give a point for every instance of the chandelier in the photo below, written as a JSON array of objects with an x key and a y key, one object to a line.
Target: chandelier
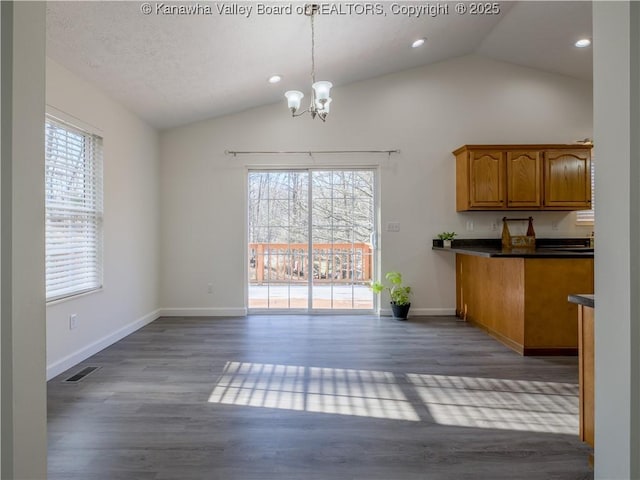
[{"x": 320, "y": 98}]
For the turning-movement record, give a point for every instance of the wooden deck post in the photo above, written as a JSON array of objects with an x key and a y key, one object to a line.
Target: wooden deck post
[
  {"x": 260, "y": 263},
  {"x": 366, "y": 263}
]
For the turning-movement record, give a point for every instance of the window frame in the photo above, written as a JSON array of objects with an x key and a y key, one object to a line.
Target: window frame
[
  {"x": 87, "y": 213},
  {"x": 586, "y": 218}
]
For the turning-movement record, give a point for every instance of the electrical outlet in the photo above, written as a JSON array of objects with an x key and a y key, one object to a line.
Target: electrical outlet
[
  {"x": 494, "y": 227},
  {"x": 210, "y": 288},
  {"x": 393, "y": 226},
  {"x": 470, "y": 225},
  {"x": 554, "y": 225},
  {"x": 73, "y": 321}
]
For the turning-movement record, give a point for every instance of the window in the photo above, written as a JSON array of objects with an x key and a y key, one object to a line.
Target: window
[
  {"x": 587, "y": 217},
  {"x": 73, "y": 210}
]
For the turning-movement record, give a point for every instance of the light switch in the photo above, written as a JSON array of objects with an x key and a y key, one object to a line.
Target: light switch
[{"x": 393, "y": 227}]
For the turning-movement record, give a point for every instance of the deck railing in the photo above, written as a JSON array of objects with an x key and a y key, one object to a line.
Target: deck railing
[{"x": 289, "y": 263}]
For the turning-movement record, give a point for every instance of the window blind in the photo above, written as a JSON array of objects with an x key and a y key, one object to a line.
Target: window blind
[
  {"x": 73, "y": 210},
  {"x": 587, "y": 217}
]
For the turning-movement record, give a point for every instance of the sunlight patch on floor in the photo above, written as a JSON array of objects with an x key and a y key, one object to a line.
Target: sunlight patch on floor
[
  {"x": 534, "y": 406},
  {"x": 338, "y": 391}
]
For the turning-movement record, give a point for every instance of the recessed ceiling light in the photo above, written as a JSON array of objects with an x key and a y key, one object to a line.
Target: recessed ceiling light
[
  {"x": 275, "y": 78},
  {"x": 418, "y": 43},
  {"x": 583, "y": 42}
]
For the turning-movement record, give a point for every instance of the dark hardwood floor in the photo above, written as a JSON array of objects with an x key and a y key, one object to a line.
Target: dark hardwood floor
[{"x": 324, "y": 397}]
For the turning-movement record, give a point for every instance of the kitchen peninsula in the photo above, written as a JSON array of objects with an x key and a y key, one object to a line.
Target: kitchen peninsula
[
  {"x": 520, "y": 296},
  {"x": 586, "y": 366}
]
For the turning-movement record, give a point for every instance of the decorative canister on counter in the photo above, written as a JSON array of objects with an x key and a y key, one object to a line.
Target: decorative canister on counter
[{"x": 509, "y": 241}]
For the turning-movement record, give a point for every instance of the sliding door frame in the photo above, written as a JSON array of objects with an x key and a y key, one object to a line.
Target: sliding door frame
[{"x": 375, "y": 255}]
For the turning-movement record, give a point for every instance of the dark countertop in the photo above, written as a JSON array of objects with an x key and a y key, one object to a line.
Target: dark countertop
[
  {"x": 545, "y": 248},
  {"x": 584, "y": 299}
]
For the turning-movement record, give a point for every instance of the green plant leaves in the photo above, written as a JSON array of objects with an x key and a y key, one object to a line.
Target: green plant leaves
[
  {"x": 394, "y": 277},
  {"x": 399, "y": 294},
  {"x": 447, "y": 235}
]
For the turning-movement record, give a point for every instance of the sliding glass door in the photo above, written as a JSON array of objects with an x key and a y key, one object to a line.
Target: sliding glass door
[
  {"x": 278, "y": 239},
  {"x": 311, "y": 239}
]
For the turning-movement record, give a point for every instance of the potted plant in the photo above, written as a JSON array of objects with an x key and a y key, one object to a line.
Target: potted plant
[
  {"x": 446, "y": 238},
  {"x": 398, "y": 293}
]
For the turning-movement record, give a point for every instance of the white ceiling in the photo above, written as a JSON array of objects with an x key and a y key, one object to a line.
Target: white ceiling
[{"x": 175, "y": 69}]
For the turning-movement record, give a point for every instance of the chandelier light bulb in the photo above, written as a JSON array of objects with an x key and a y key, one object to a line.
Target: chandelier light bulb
[
  {"x": 322, "y": 90},
  {"x": 293, "y": 99},
  {"x": 323, "y": 107},
  {"x": 418, "y": 43}
]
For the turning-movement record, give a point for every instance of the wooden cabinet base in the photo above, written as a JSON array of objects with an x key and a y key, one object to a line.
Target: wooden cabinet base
[
  {"x": 522, "y": 302},
  {"x": 528, "y": 351},
  {"x": 586, "y": 373}
]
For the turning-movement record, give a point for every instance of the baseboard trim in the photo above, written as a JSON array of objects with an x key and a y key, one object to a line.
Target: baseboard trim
[
  {"x": 69, "y": 361},
  {"x": 423, "y": 312},
  {"x": 203, "y": 312},
  {"x": 551, "y": 351}
]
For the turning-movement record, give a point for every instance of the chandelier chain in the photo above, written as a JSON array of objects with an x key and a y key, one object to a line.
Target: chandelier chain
[
  {"x": 313, "y": 48},
  {"x": 320, "y": 99}
]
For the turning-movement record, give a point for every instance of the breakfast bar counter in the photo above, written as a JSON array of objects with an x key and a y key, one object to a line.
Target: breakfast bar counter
[
  {"x": 545, "y": 248},
  {"x": 520, "y": 297}
]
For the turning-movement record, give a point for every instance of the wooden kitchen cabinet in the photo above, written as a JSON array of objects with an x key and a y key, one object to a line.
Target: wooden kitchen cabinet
[
  {"x": 523, "y": 177},
  {"x": 521, "y": 301},
  {"x": 486, "y": 179},
  {"x": 586, "y": 364},
  {"x": 567, "y": 179},
  {"x": 482, "y": 172}
]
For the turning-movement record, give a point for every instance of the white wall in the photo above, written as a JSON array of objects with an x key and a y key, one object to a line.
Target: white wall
[
  {"x": 129, "y": 298},
  {"x": 616, "y": 36},
  {"x": 425, "y": 112},
  {"x": 24, "y": 407}
]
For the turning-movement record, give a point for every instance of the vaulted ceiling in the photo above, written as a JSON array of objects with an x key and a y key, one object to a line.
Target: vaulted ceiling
[{"x": 174, "y": 69}]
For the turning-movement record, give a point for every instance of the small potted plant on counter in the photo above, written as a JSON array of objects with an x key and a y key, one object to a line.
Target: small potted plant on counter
[
  {"x": 398, "y": 293},
  {"x": 446, "y": 238}
]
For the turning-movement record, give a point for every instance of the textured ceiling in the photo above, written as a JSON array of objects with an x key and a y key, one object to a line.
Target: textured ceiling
[{"x": 175, "y": 69}]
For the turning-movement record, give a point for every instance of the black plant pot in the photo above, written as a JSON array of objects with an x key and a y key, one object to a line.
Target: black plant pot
[{"x": 400, "y": 312}]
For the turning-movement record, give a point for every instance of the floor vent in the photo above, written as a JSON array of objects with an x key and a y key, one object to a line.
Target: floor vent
[{"x": 81, "y": 374}]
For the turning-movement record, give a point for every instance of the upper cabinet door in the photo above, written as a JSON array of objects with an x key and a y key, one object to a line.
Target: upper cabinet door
[
  {"x": 567, "y": 181},
  {"x": 486, "y": 179},
  {"x": 524, "y": 179}
]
